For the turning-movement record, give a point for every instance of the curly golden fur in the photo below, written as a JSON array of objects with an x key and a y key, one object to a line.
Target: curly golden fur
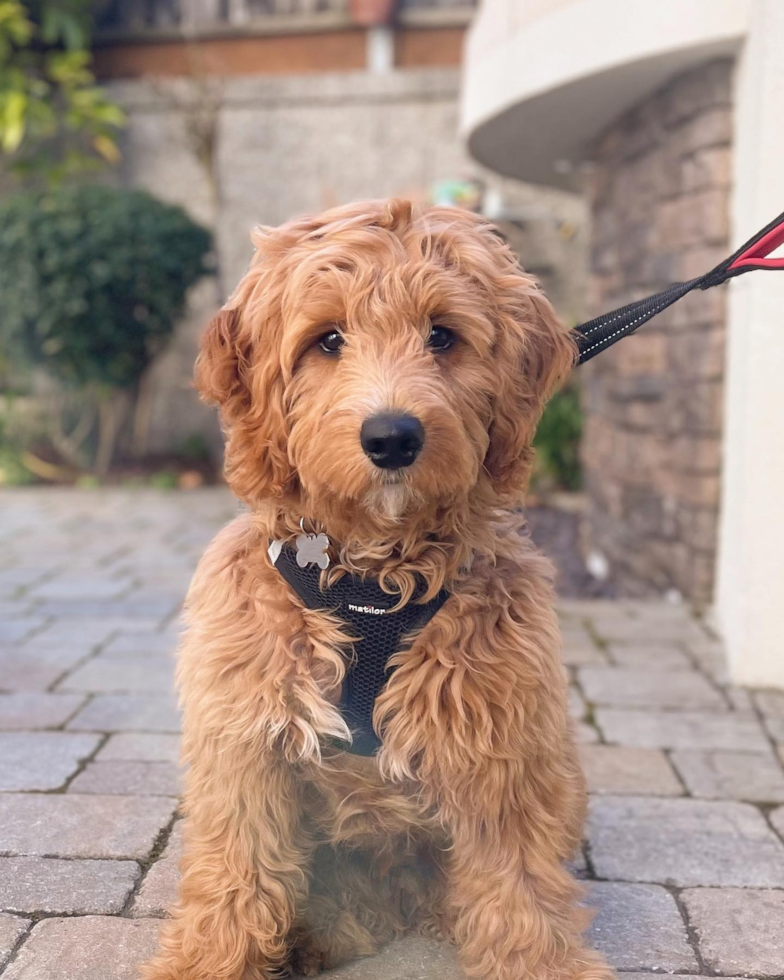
[{"x": 300, "y": 854}]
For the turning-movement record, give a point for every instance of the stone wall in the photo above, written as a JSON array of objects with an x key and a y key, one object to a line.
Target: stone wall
[
  {"x": 241, "y": 151},
  {"x": 659, "y": 199}
]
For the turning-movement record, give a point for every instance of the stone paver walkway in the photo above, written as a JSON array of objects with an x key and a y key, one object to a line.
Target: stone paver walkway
[{"x": 684, "y": 849}]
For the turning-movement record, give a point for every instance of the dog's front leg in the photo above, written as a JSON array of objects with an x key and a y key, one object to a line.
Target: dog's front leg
[
  {"x": 515, "y": 904},
  {"x": 243, "y": 872}
]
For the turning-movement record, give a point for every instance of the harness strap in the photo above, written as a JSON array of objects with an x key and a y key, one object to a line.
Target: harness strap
[
  {"x": 602, "y": 332},
  {"x": 378, "y": 631}
]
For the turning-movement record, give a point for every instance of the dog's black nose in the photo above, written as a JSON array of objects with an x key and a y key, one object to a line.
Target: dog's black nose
[{"x": 392, "y": 441}]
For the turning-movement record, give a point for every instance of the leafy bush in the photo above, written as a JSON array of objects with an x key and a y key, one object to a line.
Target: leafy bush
[
  {"x": 93, "y": 280},
  {"x": 557, "y": 441},
  {"x": 54, "y": 120}
]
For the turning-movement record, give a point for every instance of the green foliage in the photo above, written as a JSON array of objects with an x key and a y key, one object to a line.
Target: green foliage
[
  {"x": 93, "y": 280},
  {"x": 54, "y": 120},
  {"x": 557, "y": 441}
]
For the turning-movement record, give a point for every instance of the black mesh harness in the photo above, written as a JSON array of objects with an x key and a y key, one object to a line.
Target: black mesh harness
[
  {"x": 367, "y": 613},
  {"x": 597, "y": 335}
]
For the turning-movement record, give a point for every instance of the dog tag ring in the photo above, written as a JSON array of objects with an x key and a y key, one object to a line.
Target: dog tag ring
[{"x": 312, "y": 549}]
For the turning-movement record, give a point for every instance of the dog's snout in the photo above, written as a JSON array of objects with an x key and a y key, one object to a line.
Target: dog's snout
[{"x": 392, "y": 441}]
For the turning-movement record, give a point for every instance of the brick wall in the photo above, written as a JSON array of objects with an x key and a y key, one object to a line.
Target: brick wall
[{"x": 659, "y": 200}]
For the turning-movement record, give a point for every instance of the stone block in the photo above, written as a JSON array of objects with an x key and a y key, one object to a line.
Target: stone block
[
  {"x": 682, "y": 730},
  {"x": 18, "y": 629},
  {"x": 639, "y": 927},
  {"x": 41, "y": 760},
  {"x": 159, "y": 889},
  {"x": 411, "y": 958},
  {"x": 128, "y": 778},
  {"x": 141, "y": 747},
  {"x": 140, "y": 645},
  {"x": 683, "y": 842},
  {"x": 128, "y": 713},
  {"x": 12, "y": 928},
  {"x": 68, "y": 826},
  {"x": 719, "y": 775},
  {"x": 643, "y": 688},
  {"x": 649, "y": 656},
  {"x": 584, "y": 734},
  {"x": 770, "y": 703},
  {"x": 133, "y": 675},
  {"x": 52, "y": 885},
  {"x": 739, "y": 930},
  {"x": 88, "y": 947},
  {"x": 37, "y": 709},
  {"x": 777, "y": 819},
  {"x": 615, "y": 769},
  {"x": 31, "y": 669}
]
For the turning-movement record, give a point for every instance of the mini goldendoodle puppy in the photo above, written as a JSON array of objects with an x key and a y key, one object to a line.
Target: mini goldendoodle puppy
[{"x": 380, "y": 371}]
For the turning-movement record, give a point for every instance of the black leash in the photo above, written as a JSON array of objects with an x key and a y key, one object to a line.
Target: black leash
[{"x": 597, "y": 335}]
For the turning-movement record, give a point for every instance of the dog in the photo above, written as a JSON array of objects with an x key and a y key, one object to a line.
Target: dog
[{"x": 298, "y": 853}]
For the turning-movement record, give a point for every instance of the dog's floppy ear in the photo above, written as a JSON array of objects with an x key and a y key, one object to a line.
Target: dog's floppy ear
[
  {"x": 534, "y": 355},
  {"x": 243, "y": 377},
  {"x": 217, "y": 374}
]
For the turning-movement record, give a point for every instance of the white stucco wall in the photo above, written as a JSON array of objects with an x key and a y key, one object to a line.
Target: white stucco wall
[{"x": 749, "y": 608}]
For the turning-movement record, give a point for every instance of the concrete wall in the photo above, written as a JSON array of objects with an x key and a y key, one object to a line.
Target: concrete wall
[
  {"x": 652, "y": 448},
  {"x": 239, "y": 151}
]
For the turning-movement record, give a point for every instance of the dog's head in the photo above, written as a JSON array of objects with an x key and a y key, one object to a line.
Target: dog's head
[{"x": 384, "y": 357}]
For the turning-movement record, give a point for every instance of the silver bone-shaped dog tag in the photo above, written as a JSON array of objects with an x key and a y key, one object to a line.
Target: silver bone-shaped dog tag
[{"x": 312, "y": 548}]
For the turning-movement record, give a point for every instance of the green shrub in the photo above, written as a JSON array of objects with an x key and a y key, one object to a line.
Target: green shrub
[
  {"x": 557, "y": 442},
  {"x": 93, "y": 281}
]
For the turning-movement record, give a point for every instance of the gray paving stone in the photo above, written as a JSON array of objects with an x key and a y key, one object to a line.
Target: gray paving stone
[
  {"x": 156, "y": 610},
  {"x": 12, "y": 928},
  {"x": 128, "y": 713},
  {"x": 37, "y": 709},
  {"x": 578, "y": 648},
  {"x": 141, "y": 645},
  {"x": 770, "y": 703},
  {"x": 584, "y": 734},
  {"x": 127, "y": 778},
  {"x": 718, "y": 775},
  {"x": 777, "y": 819},
  {"x": 159, "y": 889},
  {"x": 639, "y": 927},
  {"x": 81, "y": 826},
  {"x": 31, "y": 669},
  {"x": 138, "y": 675},
  {"x": 17, "y": 630},
  {"x": 649, "y": 656},
  {"x": 41, "y": 760},
  {"x": 616, "y": 769},
  {"x": 141, "y": 747},
  {"x": 577, "y": 706},
  {"x": 92, "y": 630},
  {"x": 683, "y": 842},
  {"x": 52, "y": 885},
  {"x": 85, "y": 948},
  {"x": 775, "y": 727},
  {"x": 646, "y": 630},
  {"x": 411, "y": 958},
  {"x": 682, "y": 730},
  {"x": 637, "y": 688},
  {"x": 75, "y": 586},
  {"x": 739, "y": 930}
]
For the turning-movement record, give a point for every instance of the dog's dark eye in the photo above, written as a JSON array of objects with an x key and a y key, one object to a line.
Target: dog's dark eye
[
  {"x": 441, "y": 338},
  {"x": 331, "y": 342}
]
